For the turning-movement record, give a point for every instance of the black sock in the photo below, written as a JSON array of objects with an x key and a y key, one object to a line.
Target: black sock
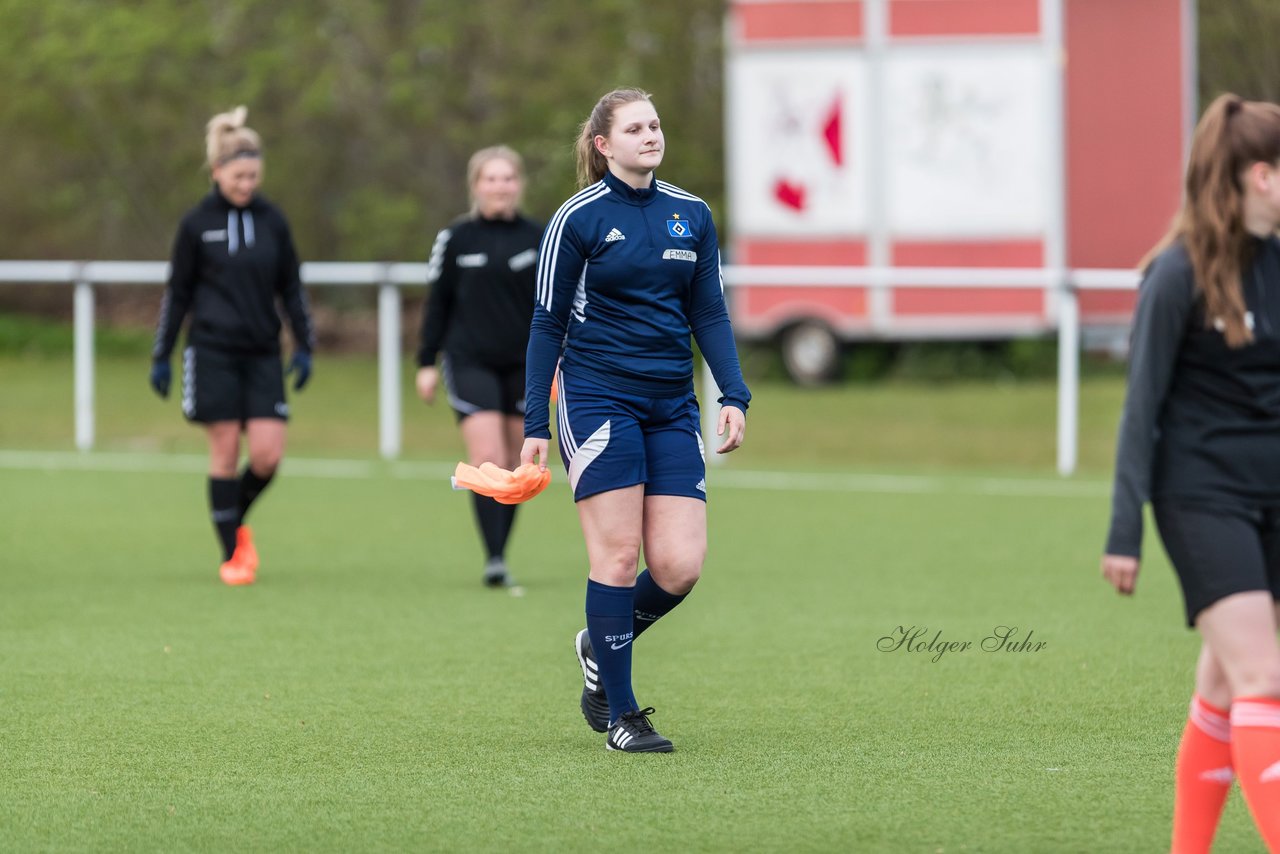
[
  {"x": 651, "y": 601},
  {"x": 508, "y": 521},
  {"x": 251, "y": 486},
  {"x": 495, "y": 522},
  {"x": 223, "y": 494}
]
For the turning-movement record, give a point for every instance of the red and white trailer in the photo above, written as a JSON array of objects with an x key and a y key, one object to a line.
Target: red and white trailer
[{"x": 886, "y": 136}]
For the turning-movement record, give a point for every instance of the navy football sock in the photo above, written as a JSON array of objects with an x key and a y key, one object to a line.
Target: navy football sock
[
  {"x": 609, "y": 625},
  {"x": 651, "y": 601}
]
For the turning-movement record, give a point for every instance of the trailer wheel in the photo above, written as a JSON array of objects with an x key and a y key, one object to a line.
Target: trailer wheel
[{"x": 810, "y": 353}]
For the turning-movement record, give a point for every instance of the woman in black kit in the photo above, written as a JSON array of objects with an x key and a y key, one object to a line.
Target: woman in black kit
[
  {"x": 1200, "y": 439},
  {"x": 481, "y": 275},
  {"x": 233, "y": 259}
]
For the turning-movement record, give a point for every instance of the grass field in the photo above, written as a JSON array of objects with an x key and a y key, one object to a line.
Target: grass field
[
  {"x": 368, "y": 695},
  {"x": 893, "y": 427}
]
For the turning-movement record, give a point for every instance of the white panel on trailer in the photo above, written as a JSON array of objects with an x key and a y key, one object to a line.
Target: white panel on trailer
[
  {"x": 967, "y": 144},
  {"x": 799, "y": 138}
]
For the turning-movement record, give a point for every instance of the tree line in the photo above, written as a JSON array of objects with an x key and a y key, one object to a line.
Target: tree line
[{"x": 369, "y": 111}]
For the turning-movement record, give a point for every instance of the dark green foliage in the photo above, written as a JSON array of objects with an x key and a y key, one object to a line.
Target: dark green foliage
[
  {"x": 1237, "y": 49},
  {"x": 934, "y": 361},
  {"x": 368, "y": 111},
  {"x": 940, "y": 361},
  {"x": 25, "y": 335}
]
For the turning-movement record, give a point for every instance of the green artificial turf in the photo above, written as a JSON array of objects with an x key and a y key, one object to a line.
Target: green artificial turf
[
  {"x": 898, "y": 426},
  {"x": 368, "y": 694}
]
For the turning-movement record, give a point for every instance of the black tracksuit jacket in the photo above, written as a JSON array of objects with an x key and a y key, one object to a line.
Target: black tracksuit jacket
[
  {"x": 228, "y": 267},
  {"x": 1201, "y": 421},
  {"x": 482, "y": 276}
]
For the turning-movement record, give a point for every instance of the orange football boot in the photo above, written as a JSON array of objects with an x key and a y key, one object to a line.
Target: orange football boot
[
  {"x": 243, "y": 566},
  {"x": 245, "y": 551},
  {"x": 235, "y": 573}
]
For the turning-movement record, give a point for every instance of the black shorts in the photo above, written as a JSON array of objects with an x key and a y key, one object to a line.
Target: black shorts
[
  {"x": 1220, "y": 551},
  {"x": 474, "y": 387},
  {"x": 221, "y": 386}
]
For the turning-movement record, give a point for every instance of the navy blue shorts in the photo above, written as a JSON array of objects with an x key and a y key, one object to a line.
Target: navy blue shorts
[
  {"x": 220, "y": 386},
  {"x": 611, "y": 439},
  {"x": 1220, "y": 551}
]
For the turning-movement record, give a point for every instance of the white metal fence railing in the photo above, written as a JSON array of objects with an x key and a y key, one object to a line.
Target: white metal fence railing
[{"x": 388, "y": 278}]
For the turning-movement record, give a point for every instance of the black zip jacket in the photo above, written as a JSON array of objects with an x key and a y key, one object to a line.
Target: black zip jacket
[
  {"x": 1201, "y": 420},
  {"x": 481, "y": 275},
  {"x": 229, "y": 264}
]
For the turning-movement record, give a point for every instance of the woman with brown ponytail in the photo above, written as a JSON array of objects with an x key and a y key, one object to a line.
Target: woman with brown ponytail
[
  {"x": 233, "y": 261},
  {"x": 628, "y": 279},
  {"x": 1200, "y": 439}
]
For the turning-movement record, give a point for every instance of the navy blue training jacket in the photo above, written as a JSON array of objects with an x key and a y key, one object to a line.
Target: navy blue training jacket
[{"x": 624, "y": 277}]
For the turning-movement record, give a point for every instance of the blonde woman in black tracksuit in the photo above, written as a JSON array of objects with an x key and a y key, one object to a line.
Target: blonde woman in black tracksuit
[
  {"x": 233, "y": 262},
  {"x": 475, "y": 330}
]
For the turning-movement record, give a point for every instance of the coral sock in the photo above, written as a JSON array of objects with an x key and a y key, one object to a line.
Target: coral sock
[
  {"x": 1203, "y": 777},
  {"x": 1255, "y": 746}
]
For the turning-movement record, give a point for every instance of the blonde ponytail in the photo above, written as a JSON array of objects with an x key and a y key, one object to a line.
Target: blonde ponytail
[{"x": 227, "y": 137}]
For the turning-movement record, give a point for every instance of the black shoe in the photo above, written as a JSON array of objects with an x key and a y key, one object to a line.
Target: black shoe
[
  {"x": 632, "y": 733},
  {"x": 595, "y": 705},
  {"x": 495, "y": 573}
]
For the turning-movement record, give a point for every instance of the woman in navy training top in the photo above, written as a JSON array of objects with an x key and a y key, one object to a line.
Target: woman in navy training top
[
  {"x": 629, "y": 268},
  {"x": 1200, "y": 439}
]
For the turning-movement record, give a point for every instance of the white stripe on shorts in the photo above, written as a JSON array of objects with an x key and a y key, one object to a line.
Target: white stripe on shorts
[
  {"x": 562, "y": 417},
  {"x": 465, "y": 407},
  {"x": 586, "y": 455}
]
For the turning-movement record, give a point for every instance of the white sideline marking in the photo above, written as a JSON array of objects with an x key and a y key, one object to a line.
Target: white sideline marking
[
  {"x": 908, "y": 484},
  {"x": 876, "y": 484},
  {"x": 161, "y": 463}
]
